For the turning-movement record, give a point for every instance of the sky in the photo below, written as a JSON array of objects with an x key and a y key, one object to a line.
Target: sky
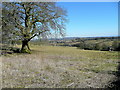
[{"x": 91, "y": 19}]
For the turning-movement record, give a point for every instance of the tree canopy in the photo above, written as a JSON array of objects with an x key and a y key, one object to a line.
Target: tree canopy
[{"x": 25, "y": 20}]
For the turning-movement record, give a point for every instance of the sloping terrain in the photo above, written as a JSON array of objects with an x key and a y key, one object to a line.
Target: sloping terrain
[{"x": 59, "y": 67}]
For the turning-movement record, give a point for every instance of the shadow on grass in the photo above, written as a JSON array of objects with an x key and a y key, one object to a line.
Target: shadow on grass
[
  {"x": 9, "y": 50},
  {"x": 116, "y": 83}
]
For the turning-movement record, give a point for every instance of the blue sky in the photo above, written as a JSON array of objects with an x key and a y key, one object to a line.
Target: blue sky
[{"x": 91, "y": 19}]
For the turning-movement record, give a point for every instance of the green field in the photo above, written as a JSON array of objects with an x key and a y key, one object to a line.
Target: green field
[{"x": 59, "y": 67}]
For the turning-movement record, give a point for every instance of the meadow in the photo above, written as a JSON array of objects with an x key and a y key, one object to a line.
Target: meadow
[{"x": 59, "y": 67}]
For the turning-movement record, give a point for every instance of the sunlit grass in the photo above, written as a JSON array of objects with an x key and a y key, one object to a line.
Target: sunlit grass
[
  {"x": 73, "y": 51},
  {"x": 56, "y": 66}
]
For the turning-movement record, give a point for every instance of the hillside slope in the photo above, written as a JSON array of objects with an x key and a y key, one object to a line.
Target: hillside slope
[{"x": 59, "y": 67}]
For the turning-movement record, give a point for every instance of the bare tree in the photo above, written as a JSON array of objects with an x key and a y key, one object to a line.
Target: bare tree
[
  {"x": 30, "y": 19},
  {"x": 7, "y": 26}
]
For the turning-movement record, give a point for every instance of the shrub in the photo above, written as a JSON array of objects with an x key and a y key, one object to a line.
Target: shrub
[
  {"x": 97, "y": 47},
  {"x": 116, "y": 46},
  {"x": 104, "y": 47}
]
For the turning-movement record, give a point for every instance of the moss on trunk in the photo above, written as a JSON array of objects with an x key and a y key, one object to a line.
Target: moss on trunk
[{"x": 25, "y": 47}]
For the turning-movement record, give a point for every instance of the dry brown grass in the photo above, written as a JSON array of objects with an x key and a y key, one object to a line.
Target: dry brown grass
[
  {"x": 0, "y": 72},
  {"x": 58, "y": 67}
]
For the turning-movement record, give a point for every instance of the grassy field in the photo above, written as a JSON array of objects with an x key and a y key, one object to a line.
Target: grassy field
[{"x": 59, "y": 67}]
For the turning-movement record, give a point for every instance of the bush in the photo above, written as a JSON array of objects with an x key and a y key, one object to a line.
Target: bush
[
  {"x": 116, "y": 46},
  {"x": 97, "y": 47},
  {"x": 104, "y": 47},
  {"x": 90, "y": 46}
]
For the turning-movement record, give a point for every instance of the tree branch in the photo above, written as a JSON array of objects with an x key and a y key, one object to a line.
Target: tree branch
[
  {"x": 47, "y": 20},
  {"x": 37, "y": 34}
]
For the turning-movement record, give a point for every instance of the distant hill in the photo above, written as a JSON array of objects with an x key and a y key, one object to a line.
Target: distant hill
[{"x": 90, "y": 38}]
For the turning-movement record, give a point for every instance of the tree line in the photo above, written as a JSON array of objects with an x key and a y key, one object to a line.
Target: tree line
[{"x": 115, "y": 46}]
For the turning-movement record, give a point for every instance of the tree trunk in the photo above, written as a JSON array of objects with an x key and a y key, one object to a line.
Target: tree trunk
[{"x": 25, "y": 47}]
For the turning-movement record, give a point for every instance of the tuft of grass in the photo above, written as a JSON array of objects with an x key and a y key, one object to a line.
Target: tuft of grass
[{"x": 48, "y": 68}]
